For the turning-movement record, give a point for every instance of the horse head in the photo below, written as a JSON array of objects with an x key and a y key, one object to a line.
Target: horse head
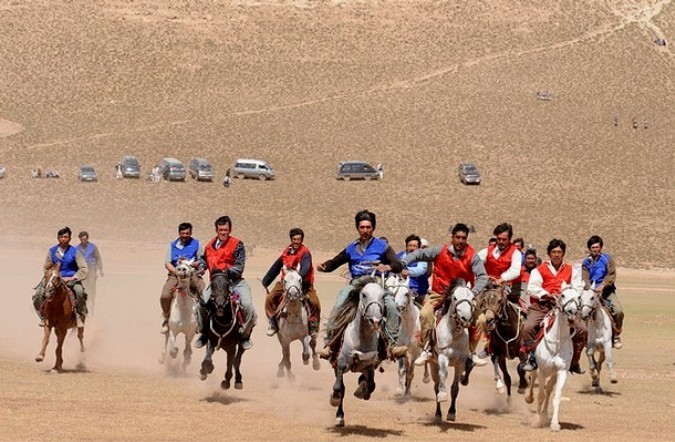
[
  {"x": 590, "y": 301},
  {"x": 460, "y": 298},
  {"x": 220, "y": 293},
  {"x": 371, "y": 304},
  {"x": 184, "y": 271},
  {"x": 399, "y": 287},
  {"x": 53, "y": 280},
  {"x": 292, "y": 283},
  {"x": 569, "y": 302},
  {"x": 491, "y": 303}
]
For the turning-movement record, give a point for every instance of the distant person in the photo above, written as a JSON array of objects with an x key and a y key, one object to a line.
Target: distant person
[
  {"x": 227, "y": 254},
  {"x": 417, "y": 271},
  {"x": 118, "y": 171},
  {"x": 73, "y": 271},
  {"x": 492, "y": 241},
  {"x": 380, "y": 170},
  {"x": 424, "y": 244},
  {"x": 296, "y": 254},
  {"x": 598, "y": 272},
  {"x": 94, "y": 265},
  {"x": 616, "y": 121},
  {"x": 520, "y": 288},
  {"x": 185, "y": 247},
  {"x": 635, "y": 123},
  {"x": 519, "y": 243},
  {"x": 228, "y": 179}
]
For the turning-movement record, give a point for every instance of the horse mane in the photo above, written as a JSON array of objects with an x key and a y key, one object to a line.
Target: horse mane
[{"x": 347, "y": 311}]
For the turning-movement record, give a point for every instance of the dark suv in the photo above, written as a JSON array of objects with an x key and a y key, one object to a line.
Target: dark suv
[
  {"x": 130, "y": 167},
  {"x": 356, "y": 170}
]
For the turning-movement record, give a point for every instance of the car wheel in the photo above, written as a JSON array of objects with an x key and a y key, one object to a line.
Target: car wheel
[
  {"x": 240, "y": 176},
  {"x": 367, "y": 178},
  {"x": 261, "y": 177},
  {"x": 346, "y": 178}
]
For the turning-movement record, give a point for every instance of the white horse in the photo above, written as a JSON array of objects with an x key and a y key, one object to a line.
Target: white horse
[
  {"x": 293, "y": 324},
  {"x": 554, "y": 356},
  {"x": 360, "y": 351},
  {"x": 599, "y": 323},
  {"x": 183, "y": 315},
  {"x": 410, "y": 328},
  {"x": 452, "y": 346}
]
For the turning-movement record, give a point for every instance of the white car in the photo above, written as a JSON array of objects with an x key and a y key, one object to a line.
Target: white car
[{"x": 3, "y": 171}]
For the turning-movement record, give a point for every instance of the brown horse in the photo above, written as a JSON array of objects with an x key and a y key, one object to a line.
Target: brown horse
[
  {"x": 504, "y": 325},
  {"x": 59, "y": 315}
]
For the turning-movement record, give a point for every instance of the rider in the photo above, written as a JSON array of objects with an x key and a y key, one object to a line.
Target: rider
[
  {"x": 185, "y": 247},
  {"x": 292, "y": 256},
  {"x": 94, "y": 266},
  {"x": 416, "y": 272},
  {"x": 544, "y": 287},
  {"x": 599, "y": 273},
  {"x": 73, "y": 271},
  {"x": 502, "y": 264},
  {"x": 364, "y": 255},
  {"x": 457, "y": 259},
  {"x": 530, "y": 263},
  {"x": 227, "y": 254}
]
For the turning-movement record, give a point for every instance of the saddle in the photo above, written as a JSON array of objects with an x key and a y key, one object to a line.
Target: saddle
[{"x": 546, "y": 325}]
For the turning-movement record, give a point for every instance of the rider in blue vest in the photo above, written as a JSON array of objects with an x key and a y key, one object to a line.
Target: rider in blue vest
[
  {"x": 417, "y": 271},
  {"x": 185, "y": 247},
  {"x": 73, "y": 271},
  {"x": 365, "y": 255},
  {"x": 599, "y": 273}
]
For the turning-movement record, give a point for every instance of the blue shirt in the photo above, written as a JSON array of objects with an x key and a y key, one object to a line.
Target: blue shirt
[{"x": 417, "y": 272}]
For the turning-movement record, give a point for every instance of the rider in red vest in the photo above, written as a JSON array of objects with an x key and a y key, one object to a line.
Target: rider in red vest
[
  {"x": 296, "y": 254},
  {"x": 454, "y": 260},
  {"x": 502, "y": 264},
  {"x": 544, "y": 286}
]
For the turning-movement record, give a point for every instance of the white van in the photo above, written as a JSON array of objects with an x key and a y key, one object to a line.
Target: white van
[{"x": 247, "y": 168}]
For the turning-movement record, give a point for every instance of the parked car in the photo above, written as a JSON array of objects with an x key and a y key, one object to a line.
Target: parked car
[
  {"x": 247, "y": 168},
  {"x": 357, "y": 170},
  {"x": 130, "y": 167},
  {"x": 3, "y": 171},
  {"x": 87, "y": 173},
  {"x": 171, "y": 169},
  {"x": 201, "y": 170},
  {"x": 468, "y": 173}
]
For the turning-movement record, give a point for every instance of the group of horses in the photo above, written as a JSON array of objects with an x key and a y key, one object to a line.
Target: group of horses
[{"x": 363, "y": 348}]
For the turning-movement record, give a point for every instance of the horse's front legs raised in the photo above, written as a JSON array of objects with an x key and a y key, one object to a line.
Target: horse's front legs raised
[
  {"x": 45, "y": 341},
  {"x": 207, "y": 363}
]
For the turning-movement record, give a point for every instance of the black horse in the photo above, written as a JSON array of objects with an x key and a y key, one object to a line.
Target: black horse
[{"x": 224, "y": 330}]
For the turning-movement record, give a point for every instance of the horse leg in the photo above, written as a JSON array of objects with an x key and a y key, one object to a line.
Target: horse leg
[
  {"x": 316, "y": 364},
  {"x": 370, "y": 383},
  {"x": 402, "y": 372},
  {"x": 497, "y": 376},
  {"x": 548, "y": 389},
  {"x": 442, "y": 392},
  {"x": 340, "y": 412},
  {"x": 45, "y": 341},
  {"x": 610, "y": 362},
  {"x": 60, "y": 338},
  {"x": 437, "y": 381},
  {"x": 81, "y": 365},
  {"x": 286, "y": 351},
  {"x": 225, "y": 384},
  {"x": 238, "y": 380},
  {"x": 306, "y": 353},
  {"x": 529, "y": 398},
  {"x": 465, "y": 378},
  {"x": 338, "y": 389},
  {"x": 561, "y": 378},
  {"x": 454, "y": 391},
  {"x": 427, "y": 377},
  {"x": 187, "y": 353},
  {"x": 173, "y": 350},
  {"x": 362, "y": 388},
  {"x": 522, "y": 380},
  {"x": 410, "y": 375},
  {"x": 207, "y": 363},
  {"x": 507, "y": 378},
  {"x": 282, "y": 362}
]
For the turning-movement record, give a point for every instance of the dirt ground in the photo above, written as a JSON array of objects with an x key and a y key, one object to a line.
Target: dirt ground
[
  {"x": 419, "y": 86},
  {"x": 125, "y": 394}
]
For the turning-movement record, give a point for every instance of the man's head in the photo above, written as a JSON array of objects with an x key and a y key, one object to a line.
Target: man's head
[
  {"x": 595, "y": 245},
  {"x": 84, "y": 237},
  {"x": 412, "y": 243},
  {"x": 460, "y": 236},
  {"x": 365, "y": 224},
  {"x": 556, "y": 251},
  {"x": 503, "y": 234},
  {"x": 424, "y": 243},
  {"x": 492, "y": 241},
  {"x": 64, "y": 236},
  {"x": 530, "y": 259},
  {"x": 519, "y": 243},
  {"x": 184, "y": 232},
  {"x": 297, "y": 237},
  {"x": 223, "y": 227}
]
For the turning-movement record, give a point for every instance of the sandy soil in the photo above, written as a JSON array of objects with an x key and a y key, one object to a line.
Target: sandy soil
[{"x": 419, "y": 86}]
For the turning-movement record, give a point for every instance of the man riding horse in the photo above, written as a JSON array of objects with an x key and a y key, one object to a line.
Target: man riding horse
[
  {"x": 544, "y": 287},
  {"x": 599, "y": 273},
  {"x": 296, "y": 254},
  {"x": 185, "y": 247},
  {"x": 227, "y": 254},
  {"x": 502, "y": 264},
  {"x": 73, "y": 270},
  {"x": 418, "y": 280},
  {"x": 451, "y": 261},
  {"x": 365, "y": 255}
]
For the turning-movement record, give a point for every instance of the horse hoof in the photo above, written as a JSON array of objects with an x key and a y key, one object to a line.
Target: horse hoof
[
  {"x": 442, "y": 396},
  {"x": 280, "y": 373},
  {"x": 39, "y": 358},
  {"x": 438, "y": 419},
  {"x": 521, "y": 390},
  {"x": 202, "y": 375},
  {"x": 451, "y": 417},
  {"x": 398, "y": 393},
  {"x": 225, "y": 385},
  {"x": 597, "y": 389},
  {"x": 464, "y": 381},
  {"x": 529, "y": 399},
  {"x": 174, "y": 354},
  {"x": 555, "y": 427},
  {"x": 238, "y": 385},
  {"x": 335, "y": 399},
  {"x": 361, "y": 390},
  {"x": 305, "y": 359},
  {"x": 316, "y": 365},
  {"x": 426, "y": 379},
  {"x": 614, "y": 380},
  {"x": 81, "y": 367},
  {"x": 339, "y": 422}
]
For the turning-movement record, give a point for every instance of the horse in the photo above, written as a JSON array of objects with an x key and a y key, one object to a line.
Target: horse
[
  {"x": 183, "y": 316},
  {"x": 59, "y": 314},
  {"x": 554, "y": 356},
  {"x": 599, "y": 323},
  {"x": 224, "y": 331},
  {"x": 362, "y": 348},
  {"x": 452, "y": 345},
  {"x": 410, "y": 328},
  {"x": 293, "y": 324},
  {"x": 503, "y": 323}
]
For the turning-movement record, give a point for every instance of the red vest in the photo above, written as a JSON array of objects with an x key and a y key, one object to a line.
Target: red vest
[
  {"x": 292, "y": 261},
  {"x": 524, "y": 275},
  {"x": 553, "y": 283},
  {"x": 223, "y": 257},
  {"x": 496, "y": 266},
  {"x": 446, "y": 269}
]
